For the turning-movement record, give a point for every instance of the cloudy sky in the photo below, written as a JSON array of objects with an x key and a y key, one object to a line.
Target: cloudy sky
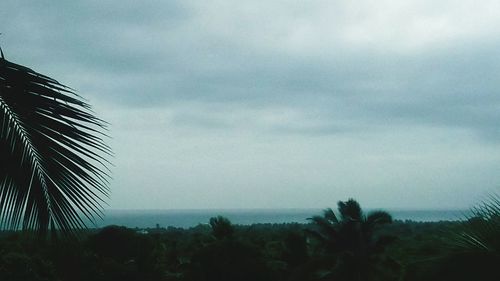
[{"x": 279, "y": 104}]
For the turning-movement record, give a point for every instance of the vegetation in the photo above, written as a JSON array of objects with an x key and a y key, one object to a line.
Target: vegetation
[
  {"x": 474, "y": 249},
  {"x": 350, "y": 242},
  {"x": 482, "y": 230},
  {"x": 53, "y": 172},
  {"x": 255, "y": 252},
  {"x": 335, "y": 246}
]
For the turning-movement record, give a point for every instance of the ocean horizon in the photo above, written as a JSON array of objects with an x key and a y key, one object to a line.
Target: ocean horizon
[{"x": 186, "y": 218}]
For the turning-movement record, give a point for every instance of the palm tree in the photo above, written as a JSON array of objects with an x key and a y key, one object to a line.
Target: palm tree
[
  {"x": 349, "y": 240},
  {"x": 221, "y": 227},
  {"x": 53, "y": 172}
]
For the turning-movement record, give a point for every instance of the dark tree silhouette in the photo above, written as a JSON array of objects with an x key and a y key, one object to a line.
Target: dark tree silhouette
[
  {"x": 353, "y": 232},
  {"x": 221, "y": 227},
  {"x": 475, "y": 246},
  {"x": 481, "y": 232},
  {"x": 350, "y": 240},
  {"x": 53, "y": 171},
  {"x": 226, "y": 257}
]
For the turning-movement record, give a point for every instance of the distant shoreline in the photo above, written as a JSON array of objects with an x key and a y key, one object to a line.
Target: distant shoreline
[{"x": 186, "y": 218}]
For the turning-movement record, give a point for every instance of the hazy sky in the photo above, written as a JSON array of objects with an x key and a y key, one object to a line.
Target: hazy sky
[{"x": 263, "y": 104}]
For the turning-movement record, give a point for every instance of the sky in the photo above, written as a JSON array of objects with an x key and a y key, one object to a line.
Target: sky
[{"x": 279, "y": 104}]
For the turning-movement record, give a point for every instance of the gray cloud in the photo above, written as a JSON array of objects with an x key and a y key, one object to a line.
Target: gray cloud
[{"x": 262, "y": 71}]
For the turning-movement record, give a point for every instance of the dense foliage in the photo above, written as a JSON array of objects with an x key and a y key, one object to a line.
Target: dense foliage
[{"x": 222, "y": 251}]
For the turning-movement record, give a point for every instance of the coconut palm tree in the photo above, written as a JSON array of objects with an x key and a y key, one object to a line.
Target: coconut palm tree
[
  {"x": 352, "y": 232},
  {"x": 349, "y": 240},
  {"x": 53, "y": 171}
]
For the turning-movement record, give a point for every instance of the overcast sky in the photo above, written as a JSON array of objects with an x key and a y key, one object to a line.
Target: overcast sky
[{"x": 279, "y": 104}]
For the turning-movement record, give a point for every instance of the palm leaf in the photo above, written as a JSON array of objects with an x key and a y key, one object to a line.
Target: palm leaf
[
  {"x": 482, "y": 229},
  {"x": 324, "y": 227},
  {"x": 350, "y": 210},
  {"x": 54, "y": 171},
  {"x": 377, "y": 218},
  {"x": 330, "y": 215}
]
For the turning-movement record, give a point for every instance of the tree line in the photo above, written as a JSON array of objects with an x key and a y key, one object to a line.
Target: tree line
[{"x": 345, "y": 244}]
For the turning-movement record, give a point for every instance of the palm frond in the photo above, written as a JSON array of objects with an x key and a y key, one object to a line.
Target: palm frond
[
  {"x": 375, "y": 219},
  {"x": 350, "y": 210},
  {"x": 54, "y": 171},
  {"x": 482, "y": 229},
  {"x": 324, "y": 227},
  {"x": 330, "y": 215}
]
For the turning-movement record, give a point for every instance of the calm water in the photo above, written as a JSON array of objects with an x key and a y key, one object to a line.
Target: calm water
[{"x": 189, "y": 218}]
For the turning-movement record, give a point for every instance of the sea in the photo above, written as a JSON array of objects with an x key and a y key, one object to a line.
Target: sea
[{"x": 190, "y": 218}]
